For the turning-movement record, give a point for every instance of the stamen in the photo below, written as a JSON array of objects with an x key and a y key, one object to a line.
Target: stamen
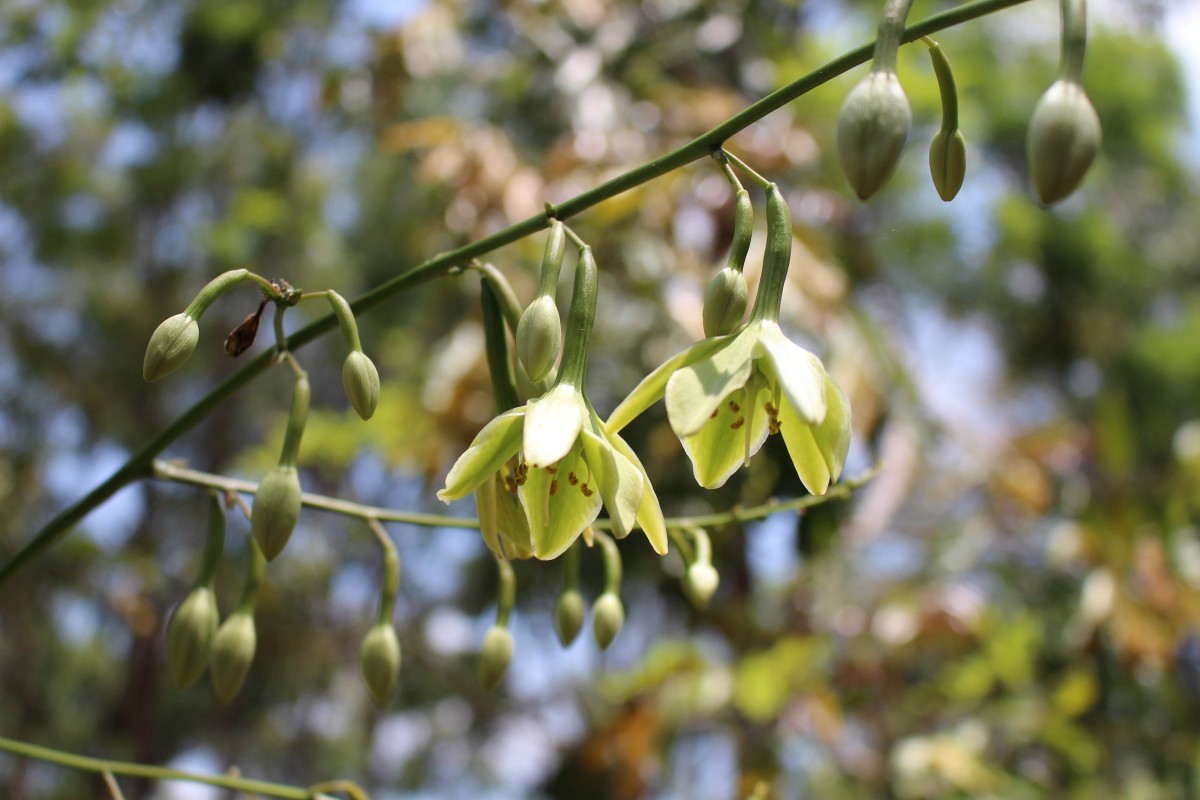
[
  {"x": 734, "y": 407},
  {"x": 714, "y": 414},
  {"x": 587, "y": 491},
  {"x": 553, "y": 486},
  {"x": 572, "y": 478},
  {"x": 739, "y": 422},
  {"x": 552, "y": 469}
]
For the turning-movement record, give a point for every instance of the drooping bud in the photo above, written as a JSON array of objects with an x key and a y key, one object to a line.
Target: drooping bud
[
  {"x": 190, "y": 636},
  {"x": 232, "y": 652},
  {"x": 608, "y": 615},
  {"x": 539, "y": 337},
  {"x": 872, "y": 129},
  {"x": 495, "y": 656},
  {"x": 360, "y": 379},
  {"x": 948, "y": 162},
  {"x": 276, "y": 510},
  {"x": 1063, "y": 140},
  {"x": 700, "y": 583},
  {"x": 568, "y": 616},
  {"x": 725, "y": 302},
  {"x": 379, "y": 660},
  {"x": 171, "y": 344}
]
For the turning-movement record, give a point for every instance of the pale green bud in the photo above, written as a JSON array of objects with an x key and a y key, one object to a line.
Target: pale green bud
[
  {"x": 360, "y": 379},
  {"x": 379, "y": 660},
  {"x": 495, "y": 656},
  {"x": 1063, "y": 140},
  {"x": 608, "y": 615},
  {"x": 276, "y": 510},
  {"x": 568, "y": 616},
  {"x": 871, "y": 131},
  {"x": 725, "y": 302},
  {"x": 232, "y": 653},
  {"x": 171, "y": 344},
  {"x": 948, "y": 162},
  {"x": 190, "y": 636},
  {"x": 700, "y": 583},
  {"x": 539, "y": 337}
]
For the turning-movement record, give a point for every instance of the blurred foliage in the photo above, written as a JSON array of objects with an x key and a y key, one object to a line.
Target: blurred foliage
[{"x": 1011, "y": 610}]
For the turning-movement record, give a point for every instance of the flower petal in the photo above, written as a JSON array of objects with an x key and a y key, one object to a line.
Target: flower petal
[
  {"x": 721, "y": 445},
  {"x": 557, "y": 511},
  {"x": 799, "y": 372},
  {"x": 649, "y": 516},
  {"x": 695, "y": 391},
  {"x": 511, "y": 523},
  {"x": 552, "y": 425},
  {"x": 651, "y": 389},
  {"x": 620, "y": 482},
  {"x": 496, "y": 443},
  {"x": 803, "y": 448},
  {"x": 485, "y": 506},
  {"x": 833, "y": 434}
]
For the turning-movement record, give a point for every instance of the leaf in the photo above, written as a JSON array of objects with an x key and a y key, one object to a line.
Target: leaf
[
  {"x": 652, "y": 387},
  {"x": 695, "y": 391},
  {"x": 496, "y": 443}
]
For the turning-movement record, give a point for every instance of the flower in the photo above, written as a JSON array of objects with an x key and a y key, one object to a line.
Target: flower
[
  {"x": 556, "y": 458},
  {"x": 726, "y": 394}
]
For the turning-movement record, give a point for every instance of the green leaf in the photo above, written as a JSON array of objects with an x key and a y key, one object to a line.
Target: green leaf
[
  {"x": 552, "y": 425},
  {"x": 695, "y": 391},
  {"x": 726, "y": 442},
  {"x": 496, "y": 443},
  {"x": 620, "y": 482},
  {"x": 799, "y": 372},
  {"x": 557, "y": 518},
  {"x": 652, "y": 387}
]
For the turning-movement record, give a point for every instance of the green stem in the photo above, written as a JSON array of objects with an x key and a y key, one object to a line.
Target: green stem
[
  {"x": 297, "y": 418},
  {"x": 1074, "y": 40},
  {"x": 140, "y": 464},
  {"x": 579, "y": 321},
  {"x": 256, "y": 566},
  {"x": 506, "y": 592},
  {"x": 552, "y": 259},
  {"x": 281, "y": 340},
  {"x": 612, "y": 562},
  {"x": 505, "y": 296},
  {"x": 217, "y": 287},
  {"x": 762, "y": 182},
  {"x": 571, "y": 568},
  {"x": 891, "y": 34},
  {"x": 777, "y": 258},
  {"x": 496, "y": 346},
  {"x": 946, "y": 86},
  {"x": 214, "y": 542},
  {"x": 345, "y": 320},
  {"x": 680, "y": 540},
  {"x": 703, "y": 545},
  {"x": 391, "y": 572},
  {"x": 101, "y": 766}
]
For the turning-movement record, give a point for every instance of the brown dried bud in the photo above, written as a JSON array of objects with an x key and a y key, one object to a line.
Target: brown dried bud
[{"x": 242, "y": 337}]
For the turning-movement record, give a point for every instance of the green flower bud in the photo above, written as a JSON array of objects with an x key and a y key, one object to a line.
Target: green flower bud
[
  {"x": 232, "y": 652},
  {"x": 608, "y": 615},
  {"x": 725, "y": 302},
  {"x": 360, "y": 379},
  {"x": 171, "y": 344},
  {"x": 379, "y": 660},
  {"x": 871, "y": 131},
  {"x": 276, "y": 510},
  {"x": 700, "y": 583},
  {"x": 1062, "y": 142},
  {"x": 948, "y": 162},
  {"x": 539, "y": 337},
  {"x": 190, "y": 636},
  {"x": 495, "y": 656},
  {"x": 568, "y": 616}
]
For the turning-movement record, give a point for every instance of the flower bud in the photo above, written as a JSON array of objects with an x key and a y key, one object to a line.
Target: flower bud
[
  {"x": 725, "y": 302},
  {"x": 360, "y": 379},
  {"x": 171, "y": 344},
  {"x": 948, "y": 162},
  {"x": 276, "y": 510},
  {"x": 495, "y": 656},
  {"x": 568, "y": 616},
  {"x": 700, "y": 583},
  {"x": 242, "y": 337},
  {"x": 608, "y": 615},
  {"x": 539, "y": 337},
  {"x": 190, "y": 636},
  {"x": 379, "y": 660},
  {"x": 232, "y": 651},
  {"x": 871, "y": 131},
  {"x": 1062, "y": 142}
]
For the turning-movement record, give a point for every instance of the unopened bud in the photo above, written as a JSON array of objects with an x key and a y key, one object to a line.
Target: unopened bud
[
  {"x": 725, "y": 302},
  {"x": 700, "y": 583},
  {"x": 276, "y": 510},
  {"x": 495, "y": 656},
  {"x": 171, "y": 344},
  {"x": 232, "y": 652},
  {"x": 871, "y": 131},
  {"x": 608, "y": 615},
  {"x": 1063, "y": 140},
  {"x": 539, "y": 337},
  {"x": 948, "y": 162},
  {"x": 379, "y": 660},
  {"x": 190, "y": 636},
  {"x": 568, "y": 616},
  {"x": 360, "y": 379}
]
